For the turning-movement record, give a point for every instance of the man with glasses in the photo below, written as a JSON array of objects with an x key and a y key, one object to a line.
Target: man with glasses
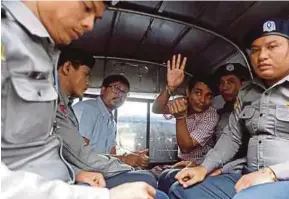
[
  {"x": 96, "y": 122},
  {"x": 93, "y": 168}
]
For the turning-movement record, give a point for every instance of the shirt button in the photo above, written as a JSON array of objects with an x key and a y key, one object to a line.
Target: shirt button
[
  {"x": 266, "y": 94},
  {"x": 261, "y": 114},
  {"x": 260, "y": 141}
]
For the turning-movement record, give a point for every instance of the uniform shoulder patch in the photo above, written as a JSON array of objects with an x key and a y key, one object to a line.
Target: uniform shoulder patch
[{"x": 62, "y": 108}]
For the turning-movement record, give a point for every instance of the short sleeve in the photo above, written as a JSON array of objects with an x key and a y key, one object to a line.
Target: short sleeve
[{"x": 86, "y": 118}]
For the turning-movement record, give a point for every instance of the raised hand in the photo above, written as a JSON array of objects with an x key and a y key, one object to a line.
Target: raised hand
[{"x": 175, "y": 71}]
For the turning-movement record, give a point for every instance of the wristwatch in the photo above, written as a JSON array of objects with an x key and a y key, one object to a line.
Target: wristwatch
[{"x": 170, "y": 92}]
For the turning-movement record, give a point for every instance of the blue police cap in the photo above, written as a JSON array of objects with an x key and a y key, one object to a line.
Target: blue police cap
[
  {"x": 236, "y": 69},
  {"x": 270, "y": 27}
]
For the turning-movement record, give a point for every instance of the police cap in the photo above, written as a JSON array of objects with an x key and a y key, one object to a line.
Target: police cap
[
  {"x": 236, "y": 69},
  {"x": 270, "y": 27}
]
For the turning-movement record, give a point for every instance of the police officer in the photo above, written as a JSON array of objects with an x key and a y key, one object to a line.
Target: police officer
[
  {"x": 30, "y": 32},
  {"x": 262, "y": 110},
  {"x": 74, "y": 69},
  {"x": 229, "y": 78}
]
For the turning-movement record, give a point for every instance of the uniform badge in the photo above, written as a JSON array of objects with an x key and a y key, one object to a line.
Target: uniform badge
[
  {"x": 230, "y": 67},
  {"x": 62, "y": 109},
  {"x": 269, "y": 26}
]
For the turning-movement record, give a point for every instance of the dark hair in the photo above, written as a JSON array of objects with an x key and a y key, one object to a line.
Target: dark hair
[
  {"x": 76, "y": 57},
  {"x": 115, "y": 78},
  {"x": 205, "y": 79}
]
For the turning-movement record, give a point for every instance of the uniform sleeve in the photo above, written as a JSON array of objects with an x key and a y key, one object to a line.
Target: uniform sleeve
[
  {"x": 229, "y": 142},
  {"x": 281, "y": 170},
  {"x": 18, "y": 184},
  {"x": 204, "y": 130},
  {"x": 236, "y": 165},
  {"x": 86, "y": 118}
]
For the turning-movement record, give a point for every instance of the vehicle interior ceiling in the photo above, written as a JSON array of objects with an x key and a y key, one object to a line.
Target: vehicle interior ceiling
[{"x": 136, "y": 38}]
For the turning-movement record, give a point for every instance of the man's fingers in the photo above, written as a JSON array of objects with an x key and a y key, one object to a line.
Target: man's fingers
[
  {"x": 174, "y": 62},
  {"x": 182, "y": 174},
  {"x": 102, "y": 183},
  {"x": 144, "y": 151},
  {"x": 151, "y": 191},
  {"x": 190, "y": 182},
  {"x": 175, "y": 108},
  {"x": 181, "y": 107},
  {"x": 168, "y": 66},
  {"x": 183, "y": 63},
  {"x": 170, "y": 108},
  {"x": 178, "y": 61}
]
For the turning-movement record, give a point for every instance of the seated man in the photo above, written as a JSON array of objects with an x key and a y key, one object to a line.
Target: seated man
[
  {"x": 96, "y": 122},
  {"x": 33, "y": 165},
  {"x": 229, "y": 78},
  {"x": 262, "y": 110},
  {"x": 73, "y": 71},
  {"x": 195, "y": 122}
]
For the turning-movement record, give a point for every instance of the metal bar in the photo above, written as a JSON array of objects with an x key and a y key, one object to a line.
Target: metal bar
[
  {"x": 186, "y": 24},
  {"x": 148, "y": 125},
  {"x": 111, "y": 32},
  {"x": 134, "y": 60}
]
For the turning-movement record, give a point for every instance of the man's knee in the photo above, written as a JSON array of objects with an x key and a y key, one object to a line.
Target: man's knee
[
  {"x": 219, "y": 187},
  {"x": 144, "y": 176},
  {"x": 176, "y": 191},
  {"x": 167, "y": 178}
]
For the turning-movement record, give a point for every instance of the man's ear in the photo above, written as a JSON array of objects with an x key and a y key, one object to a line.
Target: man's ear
[
  {"x": 102, "y": 90},
  {"x": 66, "y": 68}
]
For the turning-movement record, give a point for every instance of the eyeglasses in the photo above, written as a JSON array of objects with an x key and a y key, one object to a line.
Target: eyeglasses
[{"x": 117, "y": 90}]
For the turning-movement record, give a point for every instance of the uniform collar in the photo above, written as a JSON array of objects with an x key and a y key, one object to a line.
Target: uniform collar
[
  {"x": 104, "y": 111},
  {"x": 63, "y": 98},
  {"x": 260, "y": 83},
  {"x": 26, "y": 18},
  {"x": 227, "y": 108}
]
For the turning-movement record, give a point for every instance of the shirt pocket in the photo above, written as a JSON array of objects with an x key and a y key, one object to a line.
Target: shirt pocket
[
  {"x": 282, "y": 121},
  {"x": 29, "y": 109},
  {"x": 247, "y": 115}
]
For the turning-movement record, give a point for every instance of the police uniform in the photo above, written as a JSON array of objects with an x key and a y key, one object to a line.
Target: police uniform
[
  {"x": 264, "y": 113},
  {"x": 28, "y": 96},
  {"x": 242, "y": 73},
  {"x": 75, "y": 152},
  {"x": 31, "y": 153}
]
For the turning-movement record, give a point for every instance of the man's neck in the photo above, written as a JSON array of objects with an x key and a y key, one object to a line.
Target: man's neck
[
  {"x": 107, "y": 107},
  {"x": 269, "y": 83},
  {"x": 64, "y": 85}
]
